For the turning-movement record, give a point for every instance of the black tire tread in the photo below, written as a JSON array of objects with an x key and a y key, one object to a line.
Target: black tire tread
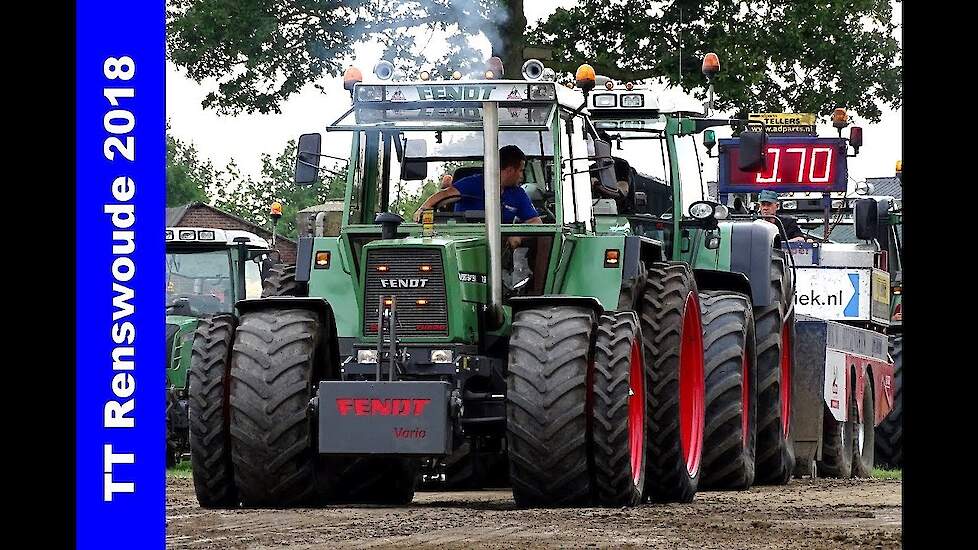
[
  {"x": 271, "y": 385},
  {"x": 546, "y": 406},
  {"x": 207, "y": 385},
  {"x": 613, "y": 475},
  {"x": 280, "y": 281},
  {"x": 728, "y": 335},
  {"x": 668, "y": 285},
  {"x": 774, "y": 459}
]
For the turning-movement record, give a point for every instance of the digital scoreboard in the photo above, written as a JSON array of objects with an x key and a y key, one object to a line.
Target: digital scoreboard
[{"x": 793, "y": 164}]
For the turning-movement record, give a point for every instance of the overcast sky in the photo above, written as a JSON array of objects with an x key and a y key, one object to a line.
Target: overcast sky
[{"x": 245, "y": 137}]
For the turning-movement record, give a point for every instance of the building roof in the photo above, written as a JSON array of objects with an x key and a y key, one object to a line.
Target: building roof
[{"x": 175, "y": 214}]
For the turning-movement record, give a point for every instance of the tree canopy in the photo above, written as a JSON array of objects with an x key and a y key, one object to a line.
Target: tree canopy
[{"x": 775, "y": 55}]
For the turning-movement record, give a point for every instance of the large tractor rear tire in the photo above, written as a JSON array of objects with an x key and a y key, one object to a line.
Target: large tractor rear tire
[
  {"x": 889, "y": 433},
  {"x": 280, "y": 281},
  {"x": 619, "y": 411},
  {"x": 731, "y": 384},
  {"x": 546, "y": 406},
  {"x": 369, "y": 480},
  {"x": 774, "y": 327},
  {"x": 864, "y": 440},
  {"x": 210, "y": 436},
  {"x": 672, "y": 333},
  {"x": 272, "y": 381}
]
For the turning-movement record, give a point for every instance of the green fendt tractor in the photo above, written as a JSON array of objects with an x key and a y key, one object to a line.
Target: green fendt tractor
[
  {"x": 743, "y": 277},
  {"x": 207, "y": 271},
  {"x": 768, "y": 416},
  {"x": 575, "y": 345}
]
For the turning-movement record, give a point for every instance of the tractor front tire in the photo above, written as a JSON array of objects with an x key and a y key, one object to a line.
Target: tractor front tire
[
  {"x": 546, "y": 406},
  {"x": 272, "y": 382},
  {"x": 731, "y": 384},
  {"x": 672, "y": 334},
  {"x": 774, "y": 327},
  {"x": 280, "y": 281},
  {"x": 619, "y": 411},
  {"x": 208, "y": 413}
]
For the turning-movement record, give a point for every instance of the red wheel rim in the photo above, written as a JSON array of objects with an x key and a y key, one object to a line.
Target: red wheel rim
[
  {"x": 636, "y": 411},
  {"x": 744, "y": 398},
  {"x": 785, "y": 379},
  {"x": 692, "y": 386}
]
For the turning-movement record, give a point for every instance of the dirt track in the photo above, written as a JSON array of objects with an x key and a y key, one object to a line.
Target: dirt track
[{"x": 805, "y": 514}]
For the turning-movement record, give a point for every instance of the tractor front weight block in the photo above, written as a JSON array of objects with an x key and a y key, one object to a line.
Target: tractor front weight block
[{"x": 385, "y": 418}]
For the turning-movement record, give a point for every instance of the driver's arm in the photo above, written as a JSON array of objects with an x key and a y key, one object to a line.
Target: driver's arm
[{"x": 435, "y": 199}]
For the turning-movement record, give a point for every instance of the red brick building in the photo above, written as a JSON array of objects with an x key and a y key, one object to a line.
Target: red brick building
[{"x": 198, "y": 214}]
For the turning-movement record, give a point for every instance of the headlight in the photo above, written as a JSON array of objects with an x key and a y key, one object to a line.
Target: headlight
[
  {"x": 442, "y": 356},
  {"x": 188, "y": 235},
  {"x": 605, "y": 100},
  {"x": 366, "y": 356},
  {"x": 205, "y": 235},
  {"x": 721, "y": 212},
  {"x": 370, "y": 93},
  {"x": 838, "y": 204},
  {"x": 632, "y": 100},
  {"x": 543, "y": 91},
  {"x": 789, "y": 205},
  {"x": 701, "y": 210}
]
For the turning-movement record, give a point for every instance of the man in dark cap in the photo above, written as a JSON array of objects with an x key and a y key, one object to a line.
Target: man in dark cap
[{"x": 770, "y": 202}]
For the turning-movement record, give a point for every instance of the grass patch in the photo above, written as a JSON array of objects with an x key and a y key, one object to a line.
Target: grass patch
[
  {"x": 879, "y": 473},
  {"x": 182, "y": 469}
]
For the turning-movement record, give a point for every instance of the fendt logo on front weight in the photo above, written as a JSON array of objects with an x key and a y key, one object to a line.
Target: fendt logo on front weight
[
  {"x": 403, "y": 283},
  {"x": 364, "y": 406}
]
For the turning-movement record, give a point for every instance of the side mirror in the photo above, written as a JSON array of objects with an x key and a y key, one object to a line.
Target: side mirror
[
  {"x": 867, "y": 220},
  {"x": 307, "y": 159},
  {"x": 753, "y": 151},
  {"x": 415, "y": 165}
]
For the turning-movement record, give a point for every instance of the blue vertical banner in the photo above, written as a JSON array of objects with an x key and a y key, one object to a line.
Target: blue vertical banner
[{"x": 120, "y": 152}]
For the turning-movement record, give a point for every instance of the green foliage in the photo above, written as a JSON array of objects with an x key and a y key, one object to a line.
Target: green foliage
[
  {"x": 774, "y": 56},
  {"x": 182, "y": 469},
  {"x": 260, "y": 52},
  {"x": 251, "y": 198},
  {"x": 879, "y": 473},
  {"x": 406, "y": 203},
  {"x": 187, "y": 176}
]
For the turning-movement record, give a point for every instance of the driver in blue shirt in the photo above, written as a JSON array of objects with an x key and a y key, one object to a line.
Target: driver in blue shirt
[{"x": 516, "y": 204}]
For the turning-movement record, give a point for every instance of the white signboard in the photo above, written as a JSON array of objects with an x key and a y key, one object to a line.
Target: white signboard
[
  {"x": 835, "y": 294},
  {"x": 835, "y": 383}
]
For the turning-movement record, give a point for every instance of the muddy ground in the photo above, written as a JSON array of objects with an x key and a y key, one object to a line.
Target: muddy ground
[{"x": 805, "y": 514}]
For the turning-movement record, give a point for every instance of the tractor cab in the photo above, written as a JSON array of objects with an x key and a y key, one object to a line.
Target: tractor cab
[
  {"x": 203, "y": 269},
  {"x": 405, "y": 137}
]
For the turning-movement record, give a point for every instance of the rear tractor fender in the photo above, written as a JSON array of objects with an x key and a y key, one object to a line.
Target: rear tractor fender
[{"x": 708, "y": 279}]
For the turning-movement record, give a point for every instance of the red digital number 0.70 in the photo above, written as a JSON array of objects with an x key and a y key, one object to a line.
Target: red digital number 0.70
[{"x": 811, "y": 161}]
